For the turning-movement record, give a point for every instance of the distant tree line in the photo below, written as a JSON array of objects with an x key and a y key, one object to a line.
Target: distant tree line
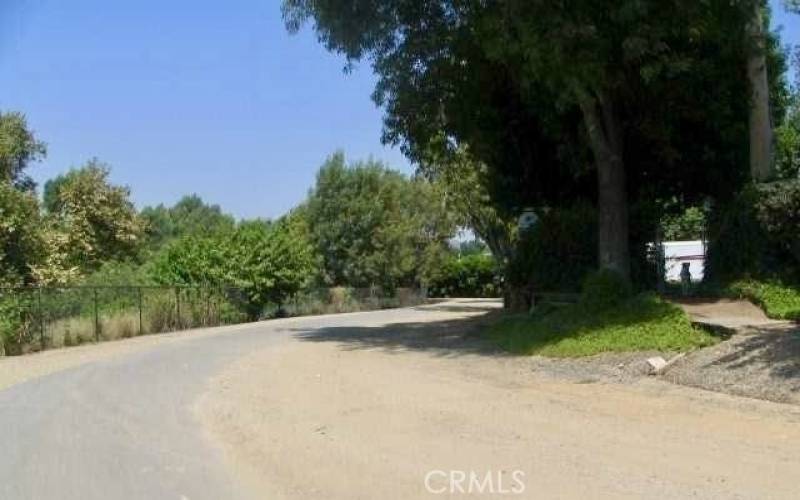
[{"x": 362, "y": 225}]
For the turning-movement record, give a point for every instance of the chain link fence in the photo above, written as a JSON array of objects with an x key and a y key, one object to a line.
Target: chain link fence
[{"x": 39, "y": 318}]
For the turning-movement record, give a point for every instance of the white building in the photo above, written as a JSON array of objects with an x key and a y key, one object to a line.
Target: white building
[{"x": 678, "y": 252}]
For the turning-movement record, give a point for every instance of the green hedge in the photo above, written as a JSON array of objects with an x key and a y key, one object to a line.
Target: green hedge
[{"x": 475, "y": 275}]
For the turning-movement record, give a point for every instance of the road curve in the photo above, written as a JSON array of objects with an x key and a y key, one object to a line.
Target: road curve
[{"x": 122, "y": 427}]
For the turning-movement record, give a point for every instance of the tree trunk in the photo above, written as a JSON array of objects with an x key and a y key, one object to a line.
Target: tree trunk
[
  {"x": 759, "y": 122},
  {"x": 605, "y": 138}
]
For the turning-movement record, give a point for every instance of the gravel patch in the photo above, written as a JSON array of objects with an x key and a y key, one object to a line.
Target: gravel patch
[
  {"x": 623, "y": 368},
  {"x": 759, "y": 362}
]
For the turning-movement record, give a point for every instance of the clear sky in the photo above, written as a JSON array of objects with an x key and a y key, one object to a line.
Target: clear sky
[{"x": 191, "y": 96}]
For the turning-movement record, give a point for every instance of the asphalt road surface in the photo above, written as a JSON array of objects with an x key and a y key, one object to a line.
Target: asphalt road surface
[{"x": 123, "y": 425}]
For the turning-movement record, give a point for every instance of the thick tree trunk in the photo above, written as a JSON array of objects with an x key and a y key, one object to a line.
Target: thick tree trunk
[
  {"x": 605, "y": 138},
  {"x": 759, "y": 123}
]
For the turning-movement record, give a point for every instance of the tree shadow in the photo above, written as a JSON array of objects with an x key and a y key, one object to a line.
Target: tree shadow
[
  {"x": 776, "y": 347},
  {"x": 446, "y": 338}
]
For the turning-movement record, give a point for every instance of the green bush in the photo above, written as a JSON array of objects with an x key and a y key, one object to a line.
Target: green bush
[
  {"x": 18, "y": 323},
  {"x": 604, "y": 289},
  {"x": 473, "y": 275}
]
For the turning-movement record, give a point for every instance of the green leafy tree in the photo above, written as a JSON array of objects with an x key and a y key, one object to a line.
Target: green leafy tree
[
  {"x": 787, "y": 134},
  {"x": 788, "y": 144},
  {"x": 22, "y": 244},
  {"x": 18, "y": 149},
  {"x": 92, "y": 220},
  {"x": 273, "y": 262},
  {"x": 540, "y": 91},
  {"x": 372, "y": 225},
  {"x": 194, "y": 260},
  {"x": 688, "y": 225},
  {"x": 463, "y": 183},
  {"x": 268, "y": 262},
  {"x": 189, "y": 216}
]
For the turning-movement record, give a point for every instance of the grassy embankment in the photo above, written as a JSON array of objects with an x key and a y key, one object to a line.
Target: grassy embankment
[
  {"x": 641, "y": 323},
  {"x": 778, "y": 300}
]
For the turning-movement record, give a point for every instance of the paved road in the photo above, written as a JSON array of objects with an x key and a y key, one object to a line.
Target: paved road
[{"x": 123, "y": 427}]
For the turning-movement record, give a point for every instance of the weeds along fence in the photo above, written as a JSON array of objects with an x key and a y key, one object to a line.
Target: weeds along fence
[{"x": 39, "y": 318}]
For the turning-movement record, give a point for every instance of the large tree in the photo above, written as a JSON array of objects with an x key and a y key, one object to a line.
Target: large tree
[
  {"x": 90, "y": 219},
  {"x": 787, "y": 133},
  {"x": 22, "y": 245},
  {"x": 760, "y": 123},
  {"x": 463, "y": 184},
  {"x": 547, "y": 86},
  {"x": 189, "y": 216},
  {"x": 372, "y": 225}
]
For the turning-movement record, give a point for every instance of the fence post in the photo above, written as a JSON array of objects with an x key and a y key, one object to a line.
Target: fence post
[
  {"x": 141, "y": 329},
  {"x": 41, "y": 317},
  {"x": 96, "y": 318},
  {"x": 178, "y": 306},
  {"x": 207, "y": 318}
]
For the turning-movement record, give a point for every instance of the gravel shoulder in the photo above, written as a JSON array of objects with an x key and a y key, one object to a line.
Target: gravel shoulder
[{"x": 367, "y": 411}]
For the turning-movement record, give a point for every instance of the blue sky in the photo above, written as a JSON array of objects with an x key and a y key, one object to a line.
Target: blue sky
[{"x": 191, "y": 96}]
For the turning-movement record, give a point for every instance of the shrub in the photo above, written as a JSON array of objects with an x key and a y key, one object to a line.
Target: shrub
[
  {"x": 474, "y": 275},
  {"x": 604, "y": 289},
  {"x": 757, "y": 235},
  {"x": 17, "y": 329},
  {"x": 778, "y": 300}
]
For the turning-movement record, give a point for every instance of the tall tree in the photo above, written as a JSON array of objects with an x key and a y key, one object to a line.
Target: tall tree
[
  {"x": 544, "y": 67},
  {"x": 21, "y": 241},
  {"x": 760, "y": 124},
  {"x": 372, "y": 225},
  {"x": 94, "y": 220},
  {"x": 19, "y": 147},
  {"x": 463, "y": 184},
  {"x": 189, "y": 216}
]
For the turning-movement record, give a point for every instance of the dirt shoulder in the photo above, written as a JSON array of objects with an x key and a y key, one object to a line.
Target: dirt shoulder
[{"x": 367, "y": 413}]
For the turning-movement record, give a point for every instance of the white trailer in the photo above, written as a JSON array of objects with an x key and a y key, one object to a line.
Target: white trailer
[{"x": 676, "y": 253}]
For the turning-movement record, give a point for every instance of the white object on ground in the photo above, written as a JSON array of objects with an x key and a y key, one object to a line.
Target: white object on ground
[{"x": 656, "y": 364}]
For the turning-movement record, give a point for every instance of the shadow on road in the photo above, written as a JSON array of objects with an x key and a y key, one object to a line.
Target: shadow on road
[{"x": 443, "y": 338}]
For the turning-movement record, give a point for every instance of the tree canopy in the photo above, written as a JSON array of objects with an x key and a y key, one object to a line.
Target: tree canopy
[
  {"x": 189, "y": 216},
  {"x": 91, "y": 220},
  {"x": 268, "y": 262},
  {"x": 19, "y": 147},
  {"x": 373, "y": 226},
  {"x": 549, "y": 95}
]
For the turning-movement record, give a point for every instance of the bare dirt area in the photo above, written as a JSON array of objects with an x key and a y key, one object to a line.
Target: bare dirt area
[
  {"x": 371, "y": 410},
  {"x": 760, "y": 359},
  {"x": 758, "y": 362}
]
